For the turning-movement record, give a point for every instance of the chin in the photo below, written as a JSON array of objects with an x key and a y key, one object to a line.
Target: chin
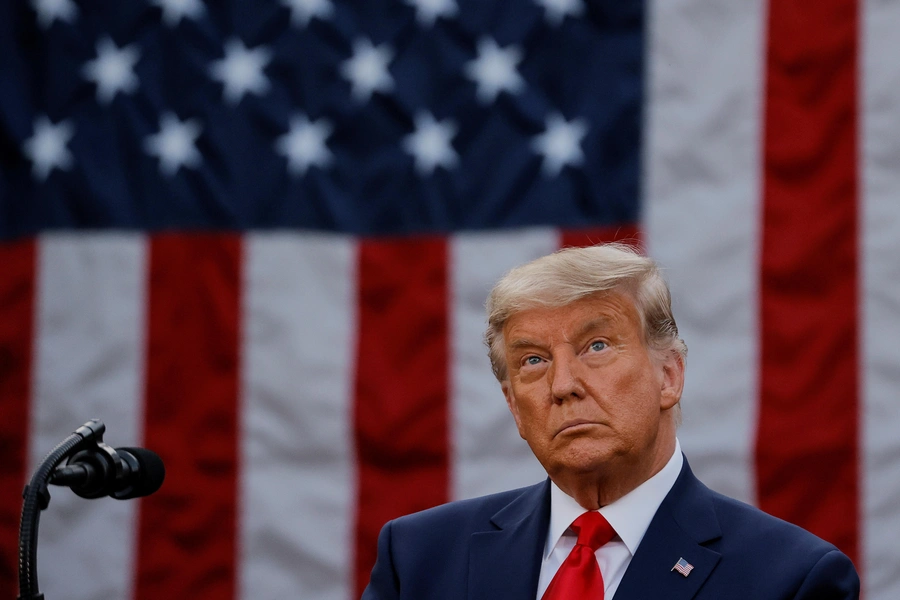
[{"x": 590, "y": 459}]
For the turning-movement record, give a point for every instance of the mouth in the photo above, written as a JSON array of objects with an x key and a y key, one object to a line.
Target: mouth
[{"x": 574, "y": 425}]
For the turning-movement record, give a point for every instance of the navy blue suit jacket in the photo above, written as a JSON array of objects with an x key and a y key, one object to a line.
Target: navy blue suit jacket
[{"x": 490, "y": 549}]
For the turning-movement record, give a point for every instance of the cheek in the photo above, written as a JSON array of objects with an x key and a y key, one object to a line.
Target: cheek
[
  {"x": 631, "y": 397},
  {"x": 533, "y": 414},
  {"x": 530, "y": 415},
  {"x": 618, "y": 383}
]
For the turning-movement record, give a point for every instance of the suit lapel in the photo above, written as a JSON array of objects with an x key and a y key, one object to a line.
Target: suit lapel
[
  {"x": 505, "y": 564},
  {"x": 685, "y": 522}
]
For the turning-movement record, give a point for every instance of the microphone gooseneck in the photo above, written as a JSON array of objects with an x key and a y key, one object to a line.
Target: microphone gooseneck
[{"x": 93, "y": 470}]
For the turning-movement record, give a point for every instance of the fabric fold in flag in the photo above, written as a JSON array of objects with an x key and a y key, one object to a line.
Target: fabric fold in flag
[{"x": 257, "y": 238}]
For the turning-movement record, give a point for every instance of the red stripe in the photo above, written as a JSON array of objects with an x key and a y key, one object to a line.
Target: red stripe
[
  {"x": 402, "y": 376},
  {"x": 577, "y": 238},
  {"x": 16, "y": 330},
  {"x": 187, "y": 529},
  {"x": 807, "y": 441}
]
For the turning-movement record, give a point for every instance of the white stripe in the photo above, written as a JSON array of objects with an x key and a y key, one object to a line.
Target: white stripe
[
  {"x": 88, "y": 363},
  {"x": 487, "y": 453},
  {"x": 702, "y": 150},
  {"x": 880, "y": 229},
  {"x": 297, "y": 479}
]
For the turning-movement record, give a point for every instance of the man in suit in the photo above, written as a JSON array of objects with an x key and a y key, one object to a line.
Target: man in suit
[{"x": 587, "y": 353}]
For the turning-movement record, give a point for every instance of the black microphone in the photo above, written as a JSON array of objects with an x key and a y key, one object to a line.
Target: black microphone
[{"x": 122, "y": 473}]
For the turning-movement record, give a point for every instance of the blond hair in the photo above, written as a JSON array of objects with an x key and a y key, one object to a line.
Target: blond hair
[{"x": 570, "y": 274}]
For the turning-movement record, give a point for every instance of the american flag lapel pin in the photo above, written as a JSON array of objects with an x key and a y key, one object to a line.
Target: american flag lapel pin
[{"x": 683, "y": 567}]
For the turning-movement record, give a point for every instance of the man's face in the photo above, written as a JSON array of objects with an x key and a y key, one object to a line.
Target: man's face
[{"x": 585, "y": 391}]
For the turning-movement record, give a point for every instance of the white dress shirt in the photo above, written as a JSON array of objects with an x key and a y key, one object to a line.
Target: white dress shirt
[{"x": 630, "y": 516}]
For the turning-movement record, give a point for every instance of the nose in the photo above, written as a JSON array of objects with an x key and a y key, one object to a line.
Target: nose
[{"x": 565, "y": 377}]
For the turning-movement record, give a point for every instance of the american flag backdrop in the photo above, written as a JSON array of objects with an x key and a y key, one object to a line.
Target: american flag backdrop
[{"x": 256, "y": 237}]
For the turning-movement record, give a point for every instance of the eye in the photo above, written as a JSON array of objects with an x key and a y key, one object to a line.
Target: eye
[
  {"x": 532, "y": 360},
  {"x": 597, "y": 346}
]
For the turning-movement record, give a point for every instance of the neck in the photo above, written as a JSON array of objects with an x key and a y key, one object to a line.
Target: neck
[{"x": 595, "y": 490}]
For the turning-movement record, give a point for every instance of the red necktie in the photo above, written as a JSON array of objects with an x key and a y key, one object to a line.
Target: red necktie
[{"x": 579, "y": 576}]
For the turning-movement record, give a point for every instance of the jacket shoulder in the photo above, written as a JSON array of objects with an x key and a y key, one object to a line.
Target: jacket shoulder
[
  {"x": 750, "y": 542},
  {"x": 426, "y": 554},
  {"x": 461, "y": 515},
  {"x": 793, "y": 558},
  {"x": 750, "y": 524}
]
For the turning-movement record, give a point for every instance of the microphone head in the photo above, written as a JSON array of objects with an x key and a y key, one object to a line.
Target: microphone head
[{"x": 148, "y": 473}]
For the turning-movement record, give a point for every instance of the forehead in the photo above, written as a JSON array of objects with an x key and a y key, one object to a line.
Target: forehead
[{"x": 609, "y": 311}]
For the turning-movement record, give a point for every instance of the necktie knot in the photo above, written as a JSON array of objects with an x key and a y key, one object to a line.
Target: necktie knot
[
  {"x": 593, "y": 530},
  {"x": 579, "y": 576}
]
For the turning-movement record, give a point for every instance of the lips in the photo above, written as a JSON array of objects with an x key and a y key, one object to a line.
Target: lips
[{"x": 574, "y": 423}]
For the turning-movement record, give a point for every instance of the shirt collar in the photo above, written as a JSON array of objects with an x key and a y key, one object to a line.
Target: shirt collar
[{"x": 630, "y": 515}]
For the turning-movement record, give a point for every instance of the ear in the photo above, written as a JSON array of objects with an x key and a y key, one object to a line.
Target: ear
[
  {"x": 513, "y": 405},
  {"x": 672, "y": 380}
]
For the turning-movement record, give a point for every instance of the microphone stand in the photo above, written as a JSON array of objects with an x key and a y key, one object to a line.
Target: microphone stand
[{"x": 37, "y": 498}]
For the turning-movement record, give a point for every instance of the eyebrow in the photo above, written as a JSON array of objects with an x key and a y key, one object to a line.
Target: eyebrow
[
  {"x": 522, "y": 343},
  {"x": 593, "y": 324},
  {"x": 584, "y": 329}
]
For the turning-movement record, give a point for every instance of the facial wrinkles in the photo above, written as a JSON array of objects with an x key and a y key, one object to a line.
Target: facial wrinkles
[
  {"x": 562, "y": 344},
  {"x": 614, "y": 389},
  {"x": 569, "y": 345}
]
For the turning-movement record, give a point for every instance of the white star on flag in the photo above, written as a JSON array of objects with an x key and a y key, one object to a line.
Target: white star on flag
[
  {"x": 367, "y": 69},
  {"x": 304, "y": 144},
  {"x": 428, "y": 11},
  {"x": 174, "y": 144},
  {"x": 303, "y": 11},
  {"x": 241, "y": 71},
  {"x": 50, "y": 10},
  {"x": 112, "y": 70},
  {"x": 560, "y": 144},
  {"x": 46, "y": 148},
  {"x": 176, "y": 10},
  {"x": 557, "y": 10},
  {"x": 430, "y": 145},
  {"x": 494, "y": 70}
]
